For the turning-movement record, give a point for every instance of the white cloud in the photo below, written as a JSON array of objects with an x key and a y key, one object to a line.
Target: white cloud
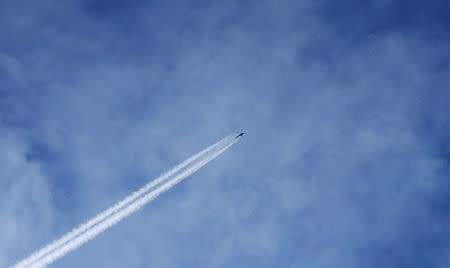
[{"x": 26, "y": 209}]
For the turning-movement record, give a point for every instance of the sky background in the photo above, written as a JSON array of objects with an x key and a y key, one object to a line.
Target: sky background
[{"x": 346, "y": 104}]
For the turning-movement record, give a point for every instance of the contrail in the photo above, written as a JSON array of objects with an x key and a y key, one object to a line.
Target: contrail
[
  {"x": 86, "y": 231},
  {"x": 82, "y": 228}
]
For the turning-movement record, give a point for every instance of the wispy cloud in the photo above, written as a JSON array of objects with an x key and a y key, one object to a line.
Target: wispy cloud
[{"x": 346, "y": 103}]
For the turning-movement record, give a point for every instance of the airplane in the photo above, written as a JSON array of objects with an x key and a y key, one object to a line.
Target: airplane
[{"x": 240, "y": 134}]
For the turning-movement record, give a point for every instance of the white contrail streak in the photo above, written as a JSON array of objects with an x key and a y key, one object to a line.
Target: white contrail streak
[
  {"x": 86, "y": 231},
  {"x": 82, "y": 228}
]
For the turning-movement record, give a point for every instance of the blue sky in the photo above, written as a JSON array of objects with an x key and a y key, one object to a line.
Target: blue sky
[{"x": 346, "y": 161}]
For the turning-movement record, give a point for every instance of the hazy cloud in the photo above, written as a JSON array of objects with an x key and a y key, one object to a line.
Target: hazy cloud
[{"x": 346, "y": 162}]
